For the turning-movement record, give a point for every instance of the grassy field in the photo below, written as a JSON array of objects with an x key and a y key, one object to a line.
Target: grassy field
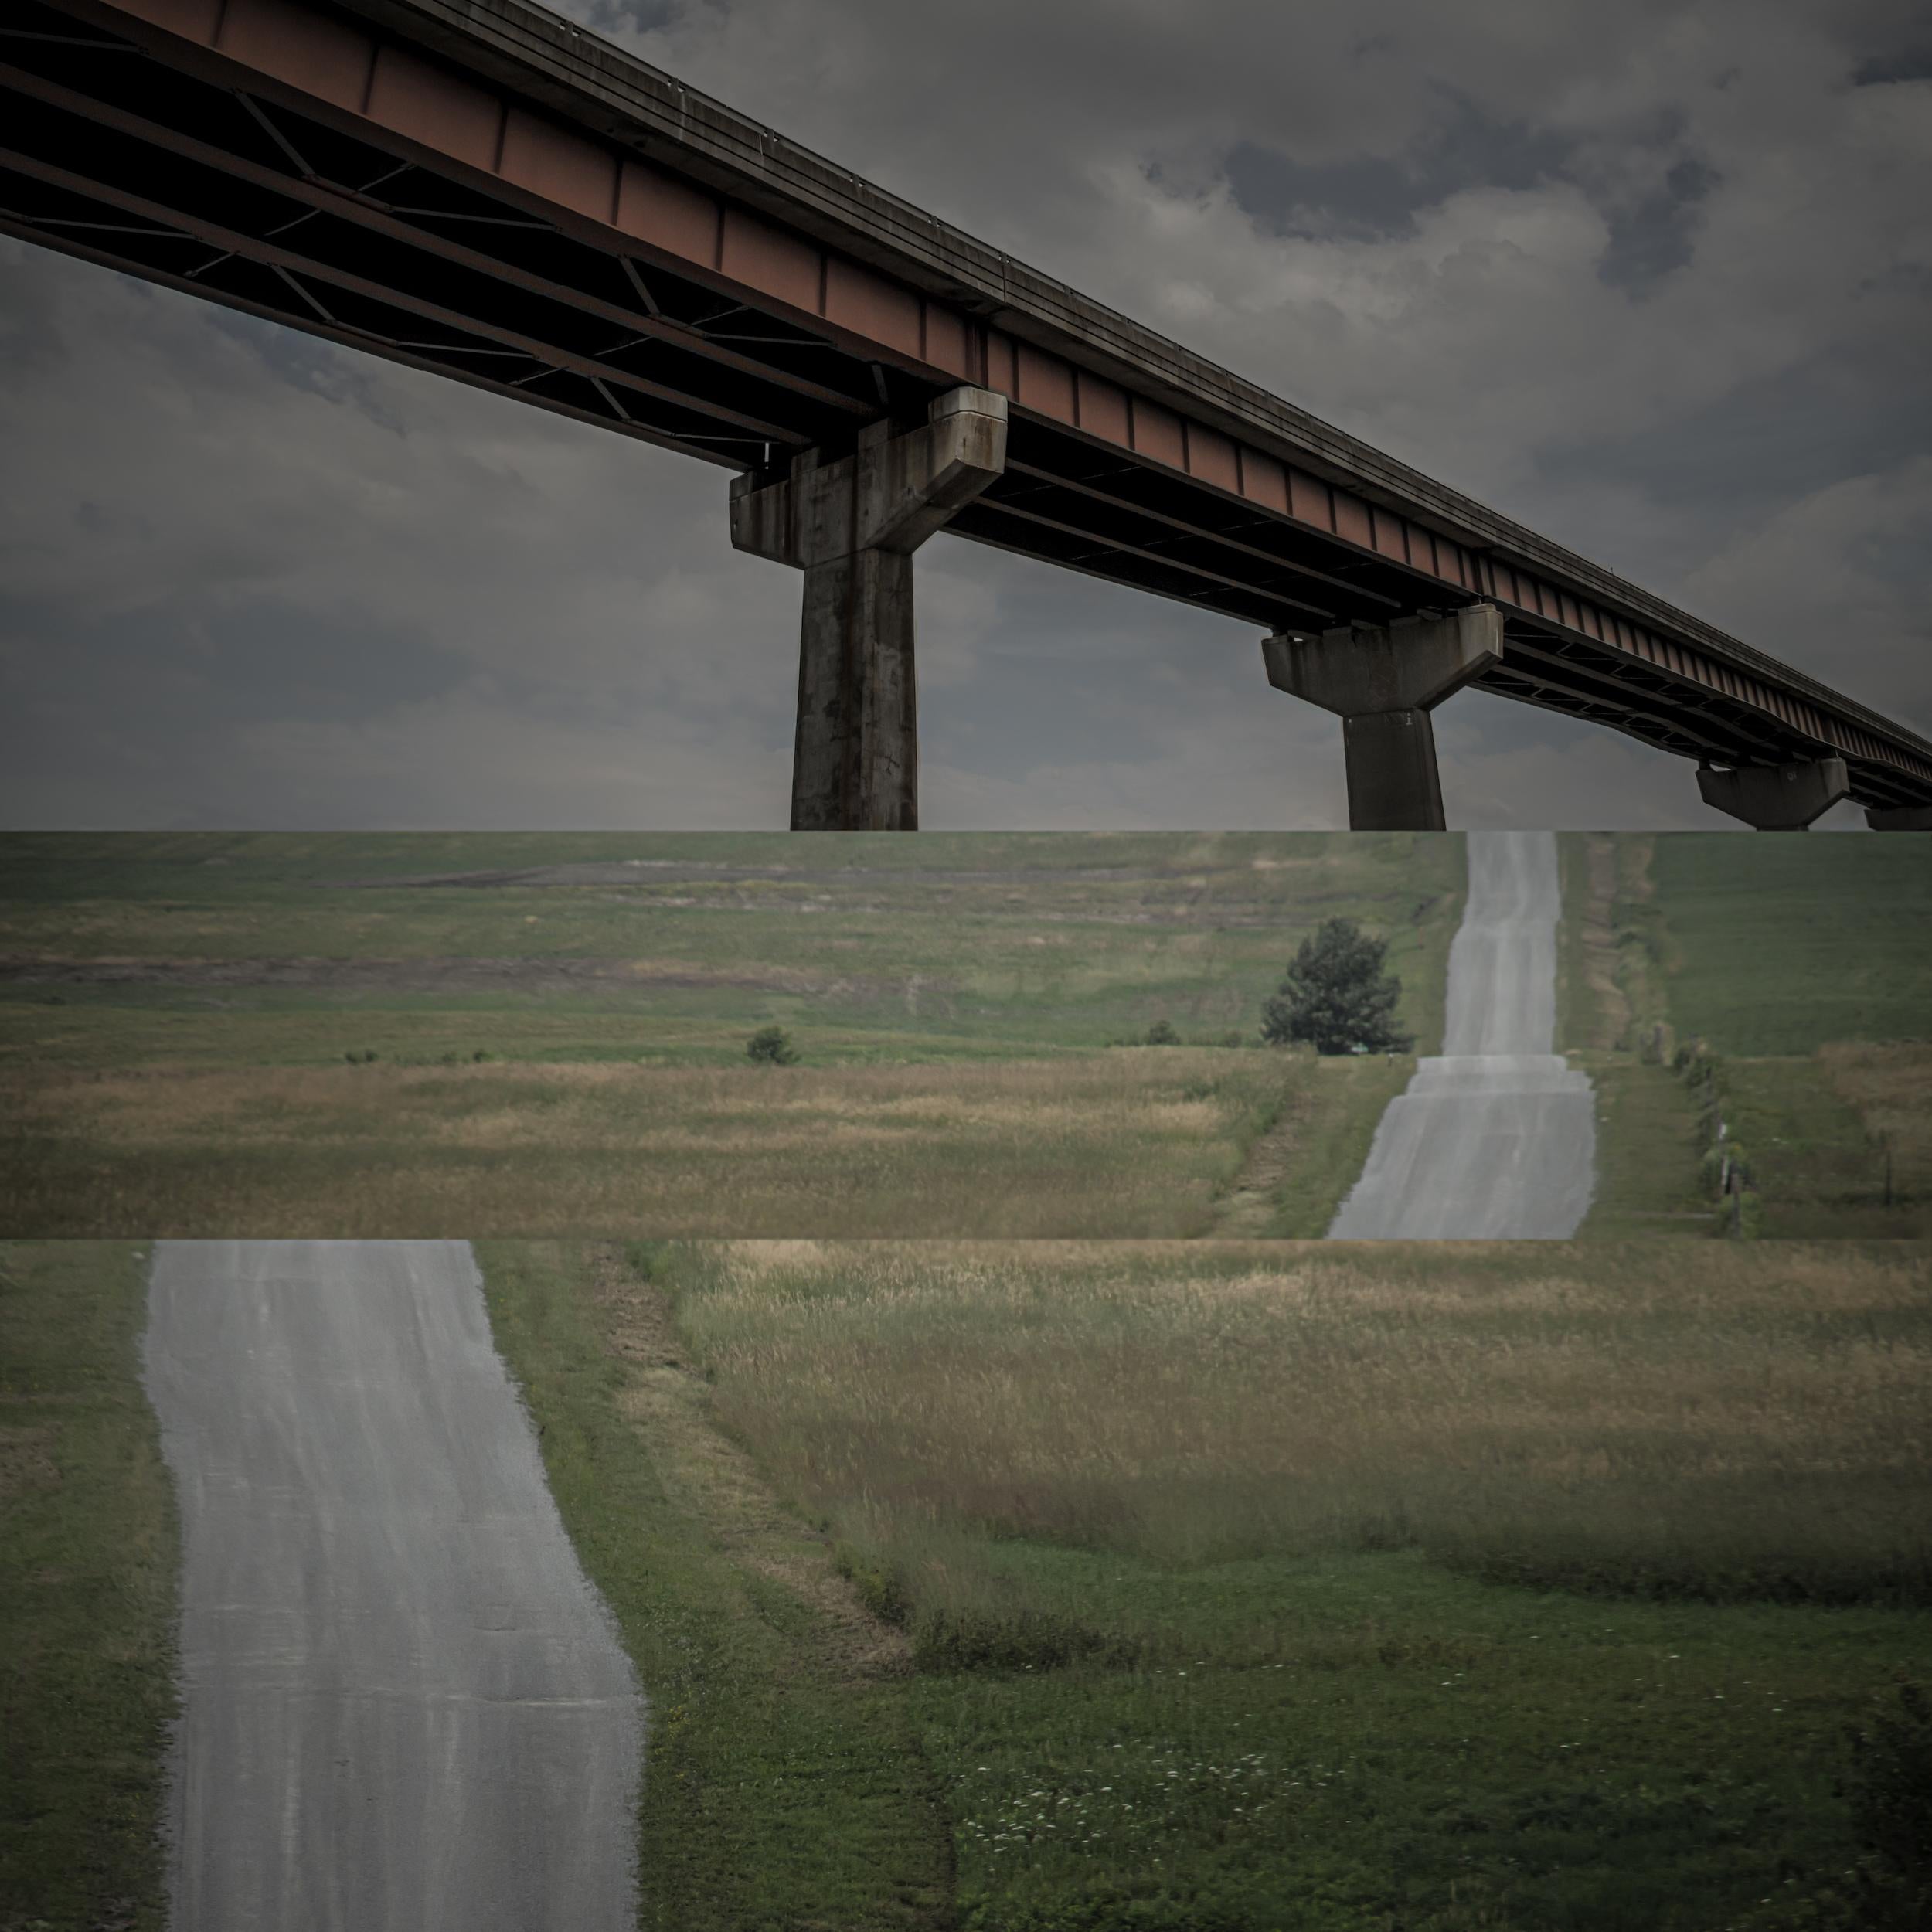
[
  {"x": 1816, "y": 1129},
  {"x": 1801, "y": 961},
  {"x": 1649, "y": 1180},
  {"x": 1779, "y": 944},
  {"x": 786, "y": 1786},
  {"x": 1241, "y": 1587},
  {"x": 277, "y": 949},
  {"x": 545, "y": 1034},
  {"x": 1046, "y": 1588},
  {"x": 87, "y": 1580},
  {"x": 1143, "y": 1140}
]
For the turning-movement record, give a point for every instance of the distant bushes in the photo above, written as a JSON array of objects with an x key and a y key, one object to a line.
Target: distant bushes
[
  {"x": 771, "y": 1047},
  {"x": 1724, "y": 1164},
  {"x": 368, "y": 1057}
]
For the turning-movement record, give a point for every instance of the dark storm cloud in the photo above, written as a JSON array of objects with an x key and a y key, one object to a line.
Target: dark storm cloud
[
  {"x": 1377, "y": 196},
  {"x": 1652, "y": 278}
]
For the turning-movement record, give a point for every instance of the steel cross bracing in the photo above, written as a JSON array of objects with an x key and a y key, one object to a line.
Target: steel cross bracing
[{"x": 129, "y": 148}]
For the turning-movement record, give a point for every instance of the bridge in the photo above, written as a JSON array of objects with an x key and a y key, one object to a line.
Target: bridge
[{"x": 482, "y": 188}]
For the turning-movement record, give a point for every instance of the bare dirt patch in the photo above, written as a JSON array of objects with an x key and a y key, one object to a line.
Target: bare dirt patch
[
  {"x": 1248, "y": 1209},
  {"x": 1610, "y": 1022},
  {"x": 671, "y": 1402}
]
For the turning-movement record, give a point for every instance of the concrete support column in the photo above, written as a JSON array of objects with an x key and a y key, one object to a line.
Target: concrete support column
[
  {"x": 1900, "y": 818},
  {"x": 1777, "y": 797},
  {"x": 851, "y": 525},
  {"x": 1384, "y": 683}
]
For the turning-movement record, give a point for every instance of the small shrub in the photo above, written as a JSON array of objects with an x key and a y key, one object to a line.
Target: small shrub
[
  {"x": 1234, "y": 1037},
  {"x": 881, "y": 1588},
  {"x": 771, "y": 1047},
  {"x": 364, "y": 1056},
  {"x": 1161, "y": 1033},
  {"x": 951, "y": 1641}
]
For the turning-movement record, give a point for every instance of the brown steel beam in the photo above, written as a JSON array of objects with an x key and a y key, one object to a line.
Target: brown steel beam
[
  {"x": 267, "y": 254},
  {"x": 1630, "y": 719},
  {"x": 1106, "y": 545},
  {"x": 379, "y": 217},
  {"x": 1594, "y": 665},
  {"x": 1087, "y": 487},
  {"x": 359, "y": 339}
]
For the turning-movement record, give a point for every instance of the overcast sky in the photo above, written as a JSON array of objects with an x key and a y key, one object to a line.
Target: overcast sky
[{"x": 1651, "y": 278}]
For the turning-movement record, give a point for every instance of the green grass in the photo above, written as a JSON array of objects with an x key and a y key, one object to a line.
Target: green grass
[
  {"x": 1327, "y": 1125},
  {"x": 1783, "y": 943},
  {"x": 1815, "y": 1166},
  {"x": 1791, "y": 957},
  {"x": 1648, "y": 1180},
  {"x": 1425, "y": 1752},
  {"x": 87, "y": 1584},
  {"x": 185, "y": 1022},
  {"x": 785, "y": 1790},
  {"x": 1250, "y": 1587},
  {"x": 864, "y": 946}
]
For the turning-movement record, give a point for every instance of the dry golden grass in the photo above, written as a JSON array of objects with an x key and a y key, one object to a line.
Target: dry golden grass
[
  {"x": 1706, "y": 1420},
  {"x": 1890, "y": 1087},
  {"x": 1134, "y": 1141}
]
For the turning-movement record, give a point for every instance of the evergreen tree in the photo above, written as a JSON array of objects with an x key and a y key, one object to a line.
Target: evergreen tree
[{"x": 1336, "y": 995}]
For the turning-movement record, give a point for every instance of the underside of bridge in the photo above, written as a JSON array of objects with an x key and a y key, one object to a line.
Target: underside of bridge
[{"x": 162, "y": 139}]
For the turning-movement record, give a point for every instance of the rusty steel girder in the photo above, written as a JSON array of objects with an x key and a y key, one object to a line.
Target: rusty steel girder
[{"x": 481, "y": 189}]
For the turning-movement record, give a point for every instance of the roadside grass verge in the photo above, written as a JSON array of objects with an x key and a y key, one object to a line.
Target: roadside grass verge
[
  {"x": 1449, "y": 1588},
  {"x": 1811, "y": 1127},
  {"x": 87, "y": 1594},
  {"x": 1799, "y": 962},
  {"x": 1311, "y": 1153},
  {"x": 1649, "y": 1180},
  {"x": 1138, "y": 1141},
  {"x": 784, "y": 1789}
]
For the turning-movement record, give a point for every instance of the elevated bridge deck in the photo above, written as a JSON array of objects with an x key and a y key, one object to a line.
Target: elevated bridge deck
[{"x": 481, "y": 189}]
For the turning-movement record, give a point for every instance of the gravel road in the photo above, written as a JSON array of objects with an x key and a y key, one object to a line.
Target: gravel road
[
  {"x": 404, "y": 1709},
  {"x": 1495, "y": 1140}
]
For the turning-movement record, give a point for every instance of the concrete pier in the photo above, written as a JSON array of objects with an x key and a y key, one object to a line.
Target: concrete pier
[
  {"x": 1900, "y": 818},
  {"x": 1384, "y": 683},
  {"x": 851, "y": 525},
  {"x": 1777, "y": 797}
]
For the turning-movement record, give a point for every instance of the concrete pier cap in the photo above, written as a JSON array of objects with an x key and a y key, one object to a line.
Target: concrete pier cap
[
  {"x": 1788, "y": 797},
  {"x": 1383, "y": 682},
  {"x": 1899, "y": 819},
  {"x": 850, "y": 523}
]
